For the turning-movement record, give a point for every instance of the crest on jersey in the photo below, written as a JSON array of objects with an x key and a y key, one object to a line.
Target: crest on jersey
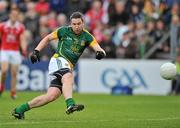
[
  {"x": 82, "y": 43},
  {"x": 69, "y": 38}
]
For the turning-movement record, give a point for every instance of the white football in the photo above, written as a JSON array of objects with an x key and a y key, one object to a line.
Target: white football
[{"x": 168, "y": 71}]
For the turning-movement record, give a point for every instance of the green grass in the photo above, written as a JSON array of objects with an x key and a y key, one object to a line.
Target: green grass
[{"x": 101, "y": 111}]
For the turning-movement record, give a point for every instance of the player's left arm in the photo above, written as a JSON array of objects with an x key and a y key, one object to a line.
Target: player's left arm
[
  {"x": 0, "y": 34},
  {"x": 23, "y": 43},
  {"x": 100, "y": 53}
]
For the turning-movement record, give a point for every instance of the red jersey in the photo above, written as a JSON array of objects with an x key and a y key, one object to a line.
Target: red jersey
[
  {"x": 10, "y": 35},
  {"x": 94, "y": 17}
]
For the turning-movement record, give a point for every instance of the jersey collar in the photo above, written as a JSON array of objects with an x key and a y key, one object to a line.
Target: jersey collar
[{"x": 16, "y": 25}]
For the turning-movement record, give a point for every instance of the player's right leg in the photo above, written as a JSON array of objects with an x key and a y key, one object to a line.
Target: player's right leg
[
  {"x": 4, "y": 70},
  {"x": 52, "y": 94},
  {"x": 67, "y": 88}
]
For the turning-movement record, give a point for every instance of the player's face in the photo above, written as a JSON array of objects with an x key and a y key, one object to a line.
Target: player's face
[
  {"x": 77, "y": 25},
  {"x": 14, "y": 15}
]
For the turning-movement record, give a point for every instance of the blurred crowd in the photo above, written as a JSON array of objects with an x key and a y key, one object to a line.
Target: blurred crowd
[{"x": 124, "y": 28}]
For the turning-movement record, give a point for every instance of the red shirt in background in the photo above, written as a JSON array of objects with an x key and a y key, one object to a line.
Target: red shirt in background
[
  {"x": 10, "y": 35},
  {"x": 42, "y": 8}
]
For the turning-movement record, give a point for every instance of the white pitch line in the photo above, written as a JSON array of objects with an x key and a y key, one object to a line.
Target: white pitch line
[
  {"x": 21, "y": 122},
  {"x": 155, "y": 119}
]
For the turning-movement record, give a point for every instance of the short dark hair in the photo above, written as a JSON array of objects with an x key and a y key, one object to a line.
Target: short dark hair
[{"x": 77, "y": 15}]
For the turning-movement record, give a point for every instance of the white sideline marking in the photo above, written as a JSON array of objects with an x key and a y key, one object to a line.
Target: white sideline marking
[
  {"x": 155, "y": 119},
  {"x": 20, "y": 122}
]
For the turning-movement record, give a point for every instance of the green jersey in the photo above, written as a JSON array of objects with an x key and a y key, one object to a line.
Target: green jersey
[{"x": 70, "y": 45}]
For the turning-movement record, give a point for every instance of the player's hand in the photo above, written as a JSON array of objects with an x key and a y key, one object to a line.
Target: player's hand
[
  {"x": 35, "y": 56},
  {"x": 100, "y": 55},
  {"x": 24, "y": 53}
]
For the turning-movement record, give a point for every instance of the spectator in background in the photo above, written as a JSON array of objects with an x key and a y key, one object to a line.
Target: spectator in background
[
  {"x": 150, "y": 11},
  {"x": 98, "y": 32},
  {"x": 119, "y": 14},
  {"x": 138, "y": 3},
  {"x": 77, "y": 5},
  {"x": 42, "y": 7},
  {"x": 170, "y": 3},
  {"x": 13, "y": 38},
  {"x": 160, "y": 30},
  {"x": 52, "y": 21},
  {"x": 150, "y": 30},
  {"x": 59, "y": 6},
  {"x": 143, "y": 44},
  {"x": 119, "y": 34},
  {"x": 31, "y": 19},
  {"x": 94, "y": 15},
  {"x": 175, "y": 10},
  {"x": 124, "y": 42},
  {"x": 43, "y": 22},
  {"x": 135, "y": 14},
  {"x": 62, "y": 19},
  {"x": 108, "y": 45},
  {"x": 3, "y": 11},
  {"x": 170, "y": 12}
]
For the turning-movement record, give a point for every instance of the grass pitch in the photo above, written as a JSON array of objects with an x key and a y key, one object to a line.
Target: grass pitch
[{"x": 101, "y": 111}]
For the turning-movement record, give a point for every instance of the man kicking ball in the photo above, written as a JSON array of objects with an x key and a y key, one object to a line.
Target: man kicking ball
[{"x": 72, "y": 40}]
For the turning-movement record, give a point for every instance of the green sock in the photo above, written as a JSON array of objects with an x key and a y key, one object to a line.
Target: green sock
[
  {"x": 24, "y": 107},
  {"x": 70, "y": 102}
]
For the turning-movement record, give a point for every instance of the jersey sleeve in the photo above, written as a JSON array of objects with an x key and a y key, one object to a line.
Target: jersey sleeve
[
  {"x": 58, "y": 33},
  {"x": 55, "y": 34},
  {"x": 91, "y": 39}
]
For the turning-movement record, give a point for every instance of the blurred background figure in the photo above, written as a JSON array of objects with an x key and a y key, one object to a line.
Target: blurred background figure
[
  {"x": 62, "y": 19},
  {"x": 31, "y": 19},
  {"x": 3, "y": 11},
  {"x": 95, "y": 15},
  {"x": 12, "y": 41},
  {"x": 42, "y": 7}
]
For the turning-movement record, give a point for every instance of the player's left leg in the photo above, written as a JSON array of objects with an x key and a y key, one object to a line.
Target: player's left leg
[
  {"x": 52, "y": 94},
  {"x": 5, "y": 60},
  {"x": 15, "y": 62},
  {"x": 14, "y": 71}
]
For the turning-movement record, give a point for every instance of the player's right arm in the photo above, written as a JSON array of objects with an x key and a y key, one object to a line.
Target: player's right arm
[{"x": 35, "y": 57}]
